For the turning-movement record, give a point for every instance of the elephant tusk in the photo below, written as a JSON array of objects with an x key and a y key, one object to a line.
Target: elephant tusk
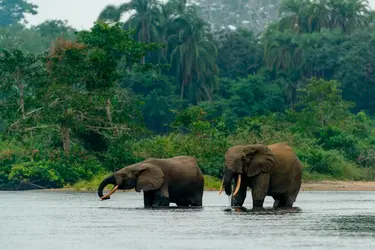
[
  {"x": 238, "y": 185},
  {"x": 221, "y": 187},
  {"x": 110, "y": 193}
]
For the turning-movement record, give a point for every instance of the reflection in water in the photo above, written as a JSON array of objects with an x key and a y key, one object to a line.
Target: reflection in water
[
  {"x": 356, "y": 225},
  {"x": 165, "y": 209},
  {"x": 263, "y": 211},
  {"x": 40, "y": 220}
]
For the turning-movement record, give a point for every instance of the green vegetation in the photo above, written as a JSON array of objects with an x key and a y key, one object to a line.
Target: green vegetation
[
  {"x": 90, "y": 184},
  {"x": 77, "y": 105},
  {"x": 211, "y": 183}
]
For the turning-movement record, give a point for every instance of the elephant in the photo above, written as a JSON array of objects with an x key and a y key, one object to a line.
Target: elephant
[
  {"x": 178, "y": 180},
  {"x": 274, "y": 170}
]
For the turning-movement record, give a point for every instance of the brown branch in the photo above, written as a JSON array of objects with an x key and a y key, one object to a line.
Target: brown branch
[
  {"x": 14, "y": 124},
  {"x": 105, "y": 128},
  {"x": 39, "y": 127},
  {"x": 33, "y": 111},
  {"x": 27, "y": 114},
  {"x": 31, "y": 184}
]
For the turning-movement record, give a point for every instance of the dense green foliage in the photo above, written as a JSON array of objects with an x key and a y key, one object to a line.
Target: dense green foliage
[{"x": 170, "y": 81}]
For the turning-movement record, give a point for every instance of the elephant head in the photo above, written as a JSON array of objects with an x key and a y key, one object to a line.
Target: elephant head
[
  {"x": 141, "y": 176},
  {"x": 245, "y": 159}
]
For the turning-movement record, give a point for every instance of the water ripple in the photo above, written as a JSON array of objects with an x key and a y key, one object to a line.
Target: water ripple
[{"x": 36, "y": 220}]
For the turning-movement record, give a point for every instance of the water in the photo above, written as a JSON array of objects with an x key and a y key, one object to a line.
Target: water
[{"x": 37, "y": 220}]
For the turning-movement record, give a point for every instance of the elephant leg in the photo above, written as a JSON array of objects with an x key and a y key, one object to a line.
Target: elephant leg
[
  {"x": 276, "y": 203},
  {"x": 197, "y": 202},
  {"x": 283, "y": 202},
  {"x": 194, "y": 201},
  {"x": 286, "y": 201},
  {"x": 289, "y": 202},
  {"x": 160, "y": 200},
  {"x": 259, "y": 189},
  {"x": 185, "y": 203},
  {"x": 239, "y": 199},
  {"x": 148, "y": 198}
]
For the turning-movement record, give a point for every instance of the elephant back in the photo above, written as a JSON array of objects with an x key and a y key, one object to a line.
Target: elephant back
[
  {"x": 179, "y": 168},
  {"x": 183, "y": 175},
  {"x": 287, "y": 170},
  {"x": 284, "y": 156}
]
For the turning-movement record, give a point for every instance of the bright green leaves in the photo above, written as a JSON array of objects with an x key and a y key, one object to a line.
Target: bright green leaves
[{"x": 322, "y": 103}]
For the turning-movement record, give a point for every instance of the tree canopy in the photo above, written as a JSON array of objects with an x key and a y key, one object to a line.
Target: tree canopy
[
  {"x": 186, "y": 78},
  {"x": 13, "y": 11}
]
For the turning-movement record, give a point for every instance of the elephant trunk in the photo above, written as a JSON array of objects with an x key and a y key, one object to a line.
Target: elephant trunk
[
  {"x": 227, "y": 182},
  {"x": 109, "y": 180}
]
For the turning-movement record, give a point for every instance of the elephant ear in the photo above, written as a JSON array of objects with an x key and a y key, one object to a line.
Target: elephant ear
[
  {"x": 150, "y": 177},
  {"x": 259, "y": 159}
]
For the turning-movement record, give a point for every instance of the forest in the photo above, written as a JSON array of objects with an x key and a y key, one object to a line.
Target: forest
[{"x": 186, "y": 78}]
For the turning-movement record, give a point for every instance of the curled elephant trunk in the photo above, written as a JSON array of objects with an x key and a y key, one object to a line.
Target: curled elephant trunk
[{"x": 109, "y": 180}]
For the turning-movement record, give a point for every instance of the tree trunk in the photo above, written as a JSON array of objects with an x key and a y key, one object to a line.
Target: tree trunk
[
  {"x": 293, "y": 99},
  {"x": 65, "y": 135},
  {"x": 144, "y": 39},
  {"x": 182, "y": 89},
  {"x": 22, "y": 100},
  {"x": 239, "y": 6},
  {"x": 210, "y": 13},
  {"x": 18, "y": 81},
  {"x": 108, "y": 110}
]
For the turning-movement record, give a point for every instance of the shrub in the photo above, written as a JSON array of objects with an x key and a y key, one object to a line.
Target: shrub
[
  {"x": 209, "y": 151},
  {"x": 11, "y": 153},
  {"x": 54, "y": 174},
  {"x": 329, "y": 162},
  {"x": 332, "y": 137},
  {"x": 49, "y": 169}
]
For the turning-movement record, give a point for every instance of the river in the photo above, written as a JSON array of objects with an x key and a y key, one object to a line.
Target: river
[{"x": 38, "y": 220}]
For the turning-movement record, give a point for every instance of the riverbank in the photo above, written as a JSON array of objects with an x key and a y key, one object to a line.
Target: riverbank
[
  {"x": 213, "y": 184},
  {"x": 338, "y": 186}
]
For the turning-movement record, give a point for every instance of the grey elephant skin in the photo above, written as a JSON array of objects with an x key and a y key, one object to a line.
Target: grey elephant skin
[
  {"x": 163, "y": 181},
  {"x": 273, "y": 170}
]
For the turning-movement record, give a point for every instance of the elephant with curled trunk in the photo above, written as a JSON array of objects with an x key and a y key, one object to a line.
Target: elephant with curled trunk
[
  {"x": 178, "y": 180},
  {"x": 273, "y": 170}
]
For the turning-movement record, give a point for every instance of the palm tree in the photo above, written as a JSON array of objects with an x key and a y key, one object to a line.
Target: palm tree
[
  {"x": 145, "y": 17},
  {"x": 311, "y": 16},
  {"x": 349, "y": 15},
  {"x": 192, "y": 52},
  {"x": 190, "y": 48},
  {"x": 294, "y": 15},
  {"x": 282, "y": 54},
  {"x": 110, "y": 13}
]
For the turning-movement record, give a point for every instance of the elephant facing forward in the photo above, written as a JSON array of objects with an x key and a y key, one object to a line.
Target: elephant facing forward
[
  {"x": 273, "y": 170},
  {"x": 178, "y": 180}
]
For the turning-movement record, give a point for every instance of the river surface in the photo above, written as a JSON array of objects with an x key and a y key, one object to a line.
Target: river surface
[{"x": 38, "y": 220}]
